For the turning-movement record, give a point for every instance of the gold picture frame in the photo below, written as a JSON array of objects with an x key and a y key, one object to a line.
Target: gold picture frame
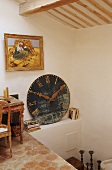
[{"x": 23, "y": 52}]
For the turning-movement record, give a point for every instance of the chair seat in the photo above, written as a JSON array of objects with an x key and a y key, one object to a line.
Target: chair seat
[{"x": 3, "y": 129}]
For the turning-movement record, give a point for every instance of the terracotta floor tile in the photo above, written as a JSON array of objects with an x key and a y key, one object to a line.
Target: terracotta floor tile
[{"x": 31, "y": 155}]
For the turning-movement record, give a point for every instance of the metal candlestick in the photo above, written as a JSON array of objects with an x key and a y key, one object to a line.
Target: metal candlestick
[
  {"x": 91, "y": 160},
  {"x": 87, "y": 164},
  {"x": 81, "y": 152},
  {"x": 99, "y": 162}
]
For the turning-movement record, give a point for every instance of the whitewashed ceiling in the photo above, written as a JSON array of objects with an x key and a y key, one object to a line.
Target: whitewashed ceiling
[{"x": 73, "y": 13}]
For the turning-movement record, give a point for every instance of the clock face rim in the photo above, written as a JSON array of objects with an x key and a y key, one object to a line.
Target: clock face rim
[{"x": 61, "y": 91}]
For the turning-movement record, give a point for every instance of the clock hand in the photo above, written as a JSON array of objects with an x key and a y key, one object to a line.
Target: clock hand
[
  {"x": 44, "y": 96},
  {"x": 56, "y": 93},
  {"x": 40, "y": 95}
]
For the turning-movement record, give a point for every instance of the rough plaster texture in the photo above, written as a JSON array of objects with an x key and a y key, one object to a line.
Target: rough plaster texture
[{"x": 83, "y": 58}]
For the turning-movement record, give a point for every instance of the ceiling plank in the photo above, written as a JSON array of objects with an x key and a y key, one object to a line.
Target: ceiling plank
[
  {"x": 84, "y": 14},
  {"x": 109, "y": 3},
  {"x": 20, "y": 1},
  {"x": 76, "y": 16},
  {"x": 66, "y": 23},
  {"x": 34, "y": 6},
  {"x": 94, "y": 12},
  {"x": 101, "y": 8},
  {"x": 67, "y": 17}
]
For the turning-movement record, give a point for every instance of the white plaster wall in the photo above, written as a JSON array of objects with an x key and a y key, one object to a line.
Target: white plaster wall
[
  {"x": 92, "y": 88},
  {"x": 63, "y": 137},
  {"x": 83, "y": 58},
  {"x": 57, "y": 48}
]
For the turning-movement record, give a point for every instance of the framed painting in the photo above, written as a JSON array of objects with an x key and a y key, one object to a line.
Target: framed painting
[{"x": 23, "y": 52}]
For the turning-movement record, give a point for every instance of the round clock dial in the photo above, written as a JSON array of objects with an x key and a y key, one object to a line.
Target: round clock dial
[{"x": 48, "y": 99}]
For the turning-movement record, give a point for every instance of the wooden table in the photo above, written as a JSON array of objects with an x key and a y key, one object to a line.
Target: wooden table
[{"x": 16, "y": 106}]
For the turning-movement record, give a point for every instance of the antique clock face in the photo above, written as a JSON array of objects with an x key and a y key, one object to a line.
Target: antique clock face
[{"x": 48, "y": 99}]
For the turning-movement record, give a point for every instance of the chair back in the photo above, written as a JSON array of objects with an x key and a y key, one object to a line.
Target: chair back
[{"x": 5, "y": 109}]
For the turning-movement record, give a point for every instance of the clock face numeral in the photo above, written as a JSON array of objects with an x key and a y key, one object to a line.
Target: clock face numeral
[
  {"x": 56, "y": 80},
  {"x": 39, "y": 83},
  {"x": 35, "y": 112},
  {"x": 30, "y": 91},
  {"x": 33, "y": 103},
  {"x": 47, "y": 79}
]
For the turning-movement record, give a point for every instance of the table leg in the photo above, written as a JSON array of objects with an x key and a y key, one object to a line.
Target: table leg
[{"x": 21, "y": 126}]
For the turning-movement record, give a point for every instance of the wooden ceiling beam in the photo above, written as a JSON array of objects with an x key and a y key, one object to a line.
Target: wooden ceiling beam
[{"x": 34, "y": 6}]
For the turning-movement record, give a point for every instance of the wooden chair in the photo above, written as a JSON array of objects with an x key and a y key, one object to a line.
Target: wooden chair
[{"x": 5, "y": 129}]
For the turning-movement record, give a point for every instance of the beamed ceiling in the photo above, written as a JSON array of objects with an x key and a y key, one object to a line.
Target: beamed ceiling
[{"x": 73, "y": 13}]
